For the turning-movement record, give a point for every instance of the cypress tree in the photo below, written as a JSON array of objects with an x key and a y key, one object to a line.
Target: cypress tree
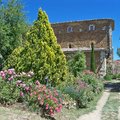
[
  {"x": 40, "y": 53},
  {"x": 92, "y": 65}
]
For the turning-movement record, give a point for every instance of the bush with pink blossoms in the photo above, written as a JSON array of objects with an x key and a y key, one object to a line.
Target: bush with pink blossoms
[
  {"x": 20, "y": 88},
  {"x": 11, "y": 89},
  {"x": 9, "y": 93},
  {"x": 44, "y": 99}
]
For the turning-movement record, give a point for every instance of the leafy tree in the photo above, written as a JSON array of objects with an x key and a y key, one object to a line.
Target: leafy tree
[
  {"x": 40, "y": 53},
  {"x": 92, "y": 65},
  {"x": 78, "y": 63},
  {"x": 12, "y": 26},
  {"x": 118, "y": 52}
]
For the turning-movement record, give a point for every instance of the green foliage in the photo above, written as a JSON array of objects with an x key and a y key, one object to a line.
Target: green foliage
[
  {"x": 116, "y": 76},
  {"x": 77, "y": 64},
  {"x": 109, "y": 73},
  {"x": 40, "y": 53},
  {"x": 92, "y": 65},
  {"x": 69, "y": 80},
  {"x": 118, "y": 52},
  {"x": 108, "y": 77},
  {"x": 81, "y": 93},
  {"x": 96, "y": 84},
  {"x": 12, "y": 27},
  {"x": 8, "y": 93}
]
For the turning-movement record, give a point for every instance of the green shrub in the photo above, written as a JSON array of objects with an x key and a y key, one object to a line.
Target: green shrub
[
  {"x": 81, "y": 93},
  {"x": 40, "y": 53},
  {"x": 108, "y": 77},
  {"x": 69, "y": 80},
  {"x": 9, "y": 93},
  {"x": 116, "y": 76},
  {"x": 78, "y": 63},
  {"x": 93, "y": 81}
]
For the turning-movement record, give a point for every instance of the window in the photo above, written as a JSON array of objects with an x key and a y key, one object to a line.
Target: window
[
  {"x": 69, "y": 29},
  {"x": 92, "y": 44},
  {"x": 70, "y": 46},
  {"x": 91, "y": 27}
]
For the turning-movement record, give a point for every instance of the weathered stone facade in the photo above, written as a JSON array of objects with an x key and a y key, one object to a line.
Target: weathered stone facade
[{"x": 80, "y": 34}]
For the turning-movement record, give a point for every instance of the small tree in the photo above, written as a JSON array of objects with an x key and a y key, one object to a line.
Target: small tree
[
  {"x": 118, "y": 52},
  {"x": 40, "y": 53},
  {"x": 92, "y": 65},
  {"x": 78, "y": 63}
]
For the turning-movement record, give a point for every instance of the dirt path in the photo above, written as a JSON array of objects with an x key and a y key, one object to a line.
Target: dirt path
[{"x": 96, "y": 114}]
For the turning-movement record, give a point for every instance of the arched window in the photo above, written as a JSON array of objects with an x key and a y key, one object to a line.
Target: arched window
[
  {"x": 69, "y": 29},
  {"x": 70, "y": 46},
  {"x": 91, "y": 27},
  {"x": 92, "y": 44}
]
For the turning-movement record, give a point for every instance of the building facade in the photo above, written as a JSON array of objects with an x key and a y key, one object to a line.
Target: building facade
[{"x": 78, "y": 35}]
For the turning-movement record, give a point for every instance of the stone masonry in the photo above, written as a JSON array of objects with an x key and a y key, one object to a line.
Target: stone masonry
[{"x": 80, "y": 35}]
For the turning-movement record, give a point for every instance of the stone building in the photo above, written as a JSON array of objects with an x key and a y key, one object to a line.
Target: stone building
[{"x": 78, "y": 35}]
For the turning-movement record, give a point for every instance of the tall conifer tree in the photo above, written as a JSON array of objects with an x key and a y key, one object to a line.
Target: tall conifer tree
[{"x": 41, "y": 53}]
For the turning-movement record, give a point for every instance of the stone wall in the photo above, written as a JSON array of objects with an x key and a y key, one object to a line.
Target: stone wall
[{"x": 81, "y": 36}]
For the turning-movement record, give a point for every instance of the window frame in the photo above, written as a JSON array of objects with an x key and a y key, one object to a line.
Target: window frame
[
  {"x": 93, "y": 27},
  {"x": 69, "y": 29}
]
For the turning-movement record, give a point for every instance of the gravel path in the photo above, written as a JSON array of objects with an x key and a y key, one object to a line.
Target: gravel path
[{"x": 96, "y": 114}]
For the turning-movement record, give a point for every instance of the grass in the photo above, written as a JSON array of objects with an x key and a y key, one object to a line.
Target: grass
[
  {"x": 110, "y": 110},
  {"x": 16, "y": 112}
]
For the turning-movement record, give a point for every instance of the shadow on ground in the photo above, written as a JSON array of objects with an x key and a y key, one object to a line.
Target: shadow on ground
[{"x": 112, "y": 86}]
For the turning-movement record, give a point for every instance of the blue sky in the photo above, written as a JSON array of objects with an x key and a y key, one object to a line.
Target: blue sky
[{"x": 72, "y": 10}]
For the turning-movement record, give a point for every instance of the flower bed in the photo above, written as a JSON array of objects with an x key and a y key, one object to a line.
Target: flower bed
[{"x": 37, "y": 96}]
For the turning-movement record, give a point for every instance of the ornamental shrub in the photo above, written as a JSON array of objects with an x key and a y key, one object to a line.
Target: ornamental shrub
[
  {"x": 78, "y": 63},
  {"x": 81, "y": 93},
  {"x": 93, "y": 81},
  {"x": 20, "y": 88},
  {"x": 40, "y": 53},
  {"x": 44, "y": 99},
  {"x": 9, "y": 93},
  {"x": 13, "y": 85}
]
